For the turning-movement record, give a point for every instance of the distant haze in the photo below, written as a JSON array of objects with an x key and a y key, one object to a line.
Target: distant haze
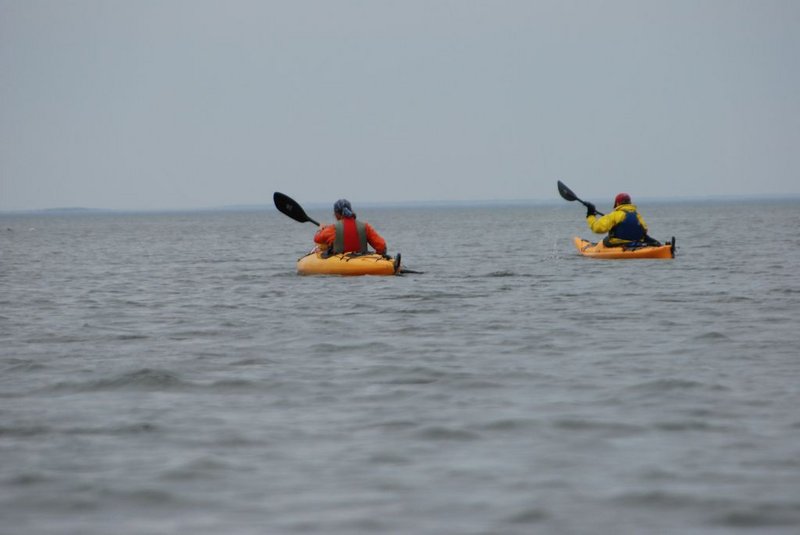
[{"x": 181, "y": 104}]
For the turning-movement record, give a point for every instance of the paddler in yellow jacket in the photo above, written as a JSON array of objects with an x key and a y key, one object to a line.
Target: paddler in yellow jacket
[{"x": 624, "y": 225}]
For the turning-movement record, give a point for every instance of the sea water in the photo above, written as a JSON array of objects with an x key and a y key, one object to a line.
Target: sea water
[{"x": 170, "y": 373}]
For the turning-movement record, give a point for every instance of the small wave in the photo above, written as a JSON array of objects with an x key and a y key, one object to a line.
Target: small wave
[
  {"x": 580, "y": 424},
  {"x": 438, "y": 433},
  {"x": 29, "y": 478},
  {"x": 224, "y": 306},
  {"x": 134, "y": 303},
  {"x": 509, "y": 424},
  {"x": 529, "y": 516},
  {"x": 236, "y": 384},
  {"x": 411, "y": 380},
  {"x": 22, "y": 365},
  {"x": 398, "y": 375},
  {"x": 196, "y": 333},
  {"x": 495, "y": 274},
  {"x": 393, "y": 425},
  {"x": 712, "y": 336},
  {"x": 252, "y": 362},
  {"x": 287, "y": 274},
  {"x": 126, "y": 429},
  {"x": 735, "y": 299},
  {"x": 329, "y": 347},
  {"x": 56, "y": 339},
  {"x": 410, "y": 311},
  {"x": 689, "y": 425},
  {"x": 196, "y": 469},
  {"x": 659, "y": 474},
  {"x": 665, "y": 385},
  {"x": 479, "y": 384},
  {"x": 429, "y": 296},
  {"x": 144, "y": 379},
  {"x": 761, "y": 515},
  {"x": 127, "y": 337},
  {"x": 24, "y": 431},
  {"x": 659, "y": 498},
  {"x": 389, "y": 458},
  {"x": 148, "y": 497},
  {"x": 30, "y": 431}
]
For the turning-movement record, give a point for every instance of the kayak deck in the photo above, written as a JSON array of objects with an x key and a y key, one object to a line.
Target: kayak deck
[
  {"x": 350, "y": 264},
  {"x": 598, "y": 250}
]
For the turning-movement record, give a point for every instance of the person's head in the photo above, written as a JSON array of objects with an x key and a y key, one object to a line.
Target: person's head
[
  {"x": 622, "y": 198},
  {"x": 342, "y": 208}
]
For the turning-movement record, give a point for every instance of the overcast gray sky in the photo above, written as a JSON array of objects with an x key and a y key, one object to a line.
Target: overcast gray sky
[{"x": 179, "y": 104}]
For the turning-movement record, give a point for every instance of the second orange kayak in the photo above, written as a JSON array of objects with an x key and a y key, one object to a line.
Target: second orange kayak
[{"x": 598, "y": 250}]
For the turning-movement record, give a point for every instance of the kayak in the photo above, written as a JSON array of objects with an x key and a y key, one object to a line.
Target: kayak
[
  {"x": 316, "y": 263},
  {"x": 598, "y": 250}
]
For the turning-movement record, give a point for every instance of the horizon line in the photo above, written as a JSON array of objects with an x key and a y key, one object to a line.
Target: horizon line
[{"x": 394, "y": 204}]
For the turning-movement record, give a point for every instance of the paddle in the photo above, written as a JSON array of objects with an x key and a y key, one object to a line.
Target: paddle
[
  {"x": 286, "y": 205},
  {"x": 568, "y": 195}
]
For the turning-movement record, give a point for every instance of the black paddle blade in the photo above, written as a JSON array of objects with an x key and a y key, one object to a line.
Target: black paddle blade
[
  {"x": 287, "y": 206},
  {"x": 565, "y": 192}
]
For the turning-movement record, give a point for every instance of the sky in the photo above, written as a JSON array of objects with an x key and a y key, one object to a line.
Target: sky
[{"x": 168, "y": 104}]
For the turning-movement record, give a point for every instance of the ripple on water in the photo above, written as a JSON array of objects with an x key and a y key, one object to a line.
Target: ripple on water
[
  {"x": 16, "y": 365},
  {"x": 721, "y": 511},
  {"x": 595, "y": 426},
  {"x": 673, "y": 384},
  {"x": 712, "y": 336},
  {"x": 761, "y": 515},
  {"x": 530, "y": 515},
  {"x": 509, "y": 425},
  {"x": 142, "y": 379},
  {"x": 443, "y": 433},
  {"x": 200, "y": 468},
  {"x": 24, "y": 430},
  {"x": 690, "y": 425}
]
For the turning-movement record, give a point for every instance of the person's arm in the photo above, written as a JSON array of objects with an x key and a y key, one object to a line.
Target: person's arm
[
  {"x": 325, "y": 235},
  {"x": 375, "y": 239},
  {"x": 641, "y": 222},
  {"x": 605, "y": 223}
]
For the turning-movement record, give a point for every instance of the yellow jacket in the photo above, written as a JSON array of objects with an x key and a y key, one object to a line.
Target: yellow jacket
[{"x": 609, "y": 221}]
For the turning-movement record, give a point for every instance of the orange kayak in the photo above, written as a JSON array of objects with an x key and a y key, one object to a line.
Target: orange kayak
[
  {"x": 348, "y": 264},
  {"x": 598, "y": 250}
]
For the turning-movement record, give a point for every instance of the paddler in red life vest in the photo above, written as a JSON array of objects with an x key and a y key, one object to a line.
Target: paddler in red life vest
[
  {"x": 348, "y": 235},
  {"x": 624, "y": 225}
]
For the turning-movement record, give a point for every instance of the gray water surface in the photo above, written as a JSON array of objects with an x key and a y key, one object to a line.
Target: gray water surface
[{"x": 170, "y": 373}]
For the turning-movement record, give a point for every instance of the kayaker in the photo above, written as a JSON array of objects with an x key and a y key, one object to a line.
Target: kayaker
[
  {"x": 624, "y": 225},
  {"x": 347, "y": 234}
]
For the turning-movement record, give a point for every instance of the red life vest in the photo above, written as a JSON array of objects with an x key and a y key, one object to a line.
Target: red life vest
[{"x": 351, "y": 236}]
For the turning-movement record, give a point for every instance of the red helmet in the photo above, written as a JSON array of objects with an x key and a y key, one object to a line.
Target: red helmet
[{"x": 622, "y": 198}]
